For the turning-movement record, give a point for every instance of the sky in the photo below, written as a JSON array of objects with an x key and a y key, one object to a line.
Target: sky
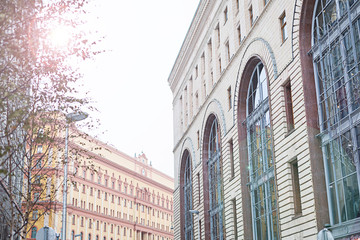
[{"x": 128, "y": 82}]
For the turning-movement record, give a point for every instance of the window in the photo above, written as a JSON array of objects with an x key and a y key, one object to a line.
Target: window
[
  {"x": 220, "y": 68},
  {"x": 39, "y": 149},
  {"x": 196, "y": 71},
  {"x": 216, "y": 197},
  {"x": 199, "y": 194},
  {"x": 225, "y": 15},
  {"x": 90, "y": 223},
  {"x": 217, "y": 33},
  {"x": 296, "y": 187},
  {"x": 33, "y": 232},
  {"x": 283, "y": 27},
  {"x": 229, "y": 97},
  {"x": 234, "y": 218},
  {"x": 227, "y": 49},
  {"x": 35, "y": 215},
  {"x": 89, "y": 237},
  {"x": 251, "y": 15},
  {"x": 289, "y": 107},
  {"x": 210, "y": 48},
  {"x": 198, "y": 139},
  {"x": 197, "y": 100},
  {"x": 97, "y": 225},
  {"x": 82, "y": 221},
  {"x": 260, "y": 154},
  {"x": 336, "y": 74},
  {"x": 98, "y": 193},
  {"x": 203, "y": 63},
  {"x": 238, "y": 29},
  {"x": 73, "y": 220},
  {"x": 237, "y": 5},
  {"x": 187, "y": 186},
  {"x": 231, "y": 155},
  {"x": 104, "y": 227}
]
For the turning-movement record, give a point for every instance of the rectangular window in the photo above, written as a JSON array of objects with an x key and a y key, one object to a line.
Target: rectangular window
[
  {"x": 225, "y": 15},
  {"x": 227, "y": 48},
  {"x": 198, "y": 180},
  {"x": 251, "y": 15},
  {"x": 39, "y": 149},
  {"x": 283, "y": 27},
  {"x": 289, "y": 106},
  {"x": 231, "y": 155},
  {"x": 229, "y": 97},
  {"x": 210, "y": 49},
  {"x": 239, "y": 34},
  {"x": 197, "y": 100},
  {"x": 217, "y": 32},
  {"x": 296, "y": 187},
  {"x": 203, "y": 64},
  {"x": 198, "y": 139},
  {"x": 234, "y": 218},
  {"x": 196, "y": 71},
  {"x": 220, "y": 68},
  {"x": 237, "y": 5}
]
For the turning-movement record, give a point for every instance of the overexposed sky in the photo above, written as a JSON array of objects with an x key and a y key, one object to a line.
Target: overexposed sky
[{"x": 129, "y": 81}]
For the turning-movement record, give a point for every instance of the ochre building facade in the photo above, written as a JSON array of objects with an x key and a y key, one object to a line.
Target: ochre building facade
[{"x": 111, "y": 196}]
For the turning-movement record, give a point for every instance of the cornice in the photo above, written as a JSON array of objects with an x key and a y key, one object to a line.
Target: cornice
[{"x": 100, "y": 159}]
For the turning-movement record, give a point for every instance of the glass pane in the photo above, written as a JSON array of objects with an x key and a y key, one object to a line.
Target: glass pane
[{"x": 351, "y": 191}]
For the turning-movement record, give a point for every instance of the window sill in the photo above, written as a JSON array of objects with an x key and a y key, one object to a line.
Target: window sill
[
  {"x": 290, "y": 132},
  {"x": 296, "y": 216}
]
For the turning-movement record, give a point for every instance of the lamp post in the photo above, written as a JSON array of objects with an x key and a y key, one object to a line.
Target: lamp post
[
  {"x": 71, "y": 117},
  {"x": 198, "y": 220}
]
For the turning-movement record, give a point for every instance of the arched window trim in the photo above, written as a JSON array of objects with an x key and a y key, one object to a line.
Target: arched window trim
[
  {"x": 33, "y": 232},
  {"x": 216, "y": 199},
  {"x": 338, "y": 108},
  {"x": 187, "y": 198},
  {"x": 259, "y": 142}
]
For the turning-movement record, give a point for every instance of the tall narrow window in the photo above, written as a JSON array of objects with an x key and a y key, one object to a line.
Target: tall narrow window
[
  {"x": 196, "y": 71},
  {"x": 260, "y": 154},
  {"x": 227, "y": 49},
  {"x": 33, "y": 232},
  {"x": 225, "y": 15},
  {"x": 217, "y": 33},
  {"x": 296, "y": 187},
  {"x": 238, "y": 29},
  {"x": 198, "y": 139},
  {"x": 234, "y": 218},
  {"x": 283, "y": 27},
  {"x": 220, "y": 68},
  {"x": 237, "y": 5},
  {"x": 199, "y": 195},
  {"x": 216, "y": 197},
  {"x": 210, "y": 49},
  {"x": 229, "y": 97},
  {"x": 231, "y": 156},
  {"x": 336, "y": 71},
  {"x": 289, "y": 106},
  {"x": 251, "y": 15},
  {"x": 187, "y": 198},
  {"x": 203, "y": 64},
  {"x": 196, "y": 101}
]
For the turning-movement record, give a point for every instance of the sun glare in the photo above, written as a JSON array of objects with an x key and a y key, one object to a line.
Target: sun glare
[{"x": 59, "y": 37}]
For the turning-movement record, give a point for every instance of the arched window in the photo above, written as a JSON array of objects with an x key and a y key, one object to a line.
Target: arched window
[
  {"x": 336, "y": 58},
  {"x": 187, "y": 197},
  {"x": 33, "y": 232},
  {"x": 89, "y": 237},
  {"x": 260, "y": 154},
  {"x": 216, "y": 195}
]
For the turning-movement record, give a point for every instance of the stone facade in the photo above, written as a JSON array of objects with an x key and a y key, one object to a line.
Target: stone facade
[
  {"x": 226, "y": 42},
  {"x": 111, "y": 196}
]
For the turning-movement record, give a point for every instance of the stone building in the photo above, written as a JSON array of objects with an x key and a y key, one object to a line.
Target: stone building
[
  {"x": 266, "y": 116},
  {"x": 111, "y": 196}
]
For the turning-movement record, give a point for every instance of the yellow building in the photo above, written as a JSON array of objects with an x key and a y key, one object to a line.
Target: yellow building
[{"x": 111, "y": 196}]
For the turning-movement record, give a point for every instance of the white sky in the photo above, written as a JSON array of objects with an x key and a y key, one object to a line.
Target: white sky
[{"x": 129, "y": 81}]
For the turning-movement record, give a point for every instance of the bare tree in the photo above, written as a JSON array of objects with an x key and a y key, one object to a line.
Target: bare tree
[{"x": 38, "y": 85}]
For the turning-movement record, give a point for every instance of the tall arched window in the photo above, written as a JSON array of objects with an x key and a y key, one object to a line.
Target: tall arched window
[
  {"x": 33, "y": 232},
  {"x": 187, "y": 188},
  {"x": 336, "y": 57},
  {"x": 216, "y": 196},
  {"x": 261, "y": 163}
]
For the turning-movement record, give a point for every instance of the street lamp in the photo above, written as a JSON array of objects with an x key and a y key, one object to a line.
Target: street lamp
[
  {"x": 198, "y": 218},
  {"x": 71, "y": 117}
]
